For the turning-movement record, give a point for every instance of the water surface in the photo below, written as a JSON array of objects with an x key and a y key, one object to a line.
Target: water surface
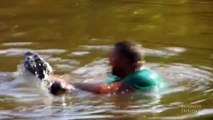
[{"x": 75, "y": 36}]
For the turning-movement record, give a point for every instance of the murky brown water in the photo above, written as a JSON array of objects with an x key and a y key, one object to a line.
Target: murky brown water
[{"x": 74, "y": 36}]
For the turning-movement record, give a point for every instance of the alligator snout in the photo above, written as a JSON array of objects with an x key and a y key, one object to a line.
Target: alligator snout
[{"x": 36, "y": 65}]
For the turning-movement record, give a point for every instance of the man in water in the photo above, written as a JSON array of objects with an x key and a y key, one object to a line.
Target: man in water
[{"x": 128, "y": 73}]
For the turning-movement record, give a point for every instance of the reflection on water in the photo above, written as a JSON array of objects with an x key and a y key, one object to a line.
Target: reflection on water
[
  {"x": 31, "y": 102},
  {"x": 75, "y": 36}
]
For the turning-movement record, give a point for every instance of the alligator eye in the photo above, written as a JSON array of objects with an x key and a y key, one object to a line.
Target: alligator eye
[
  {"x": 28, "y": 58},
  {"x": 36, "y": 57}
]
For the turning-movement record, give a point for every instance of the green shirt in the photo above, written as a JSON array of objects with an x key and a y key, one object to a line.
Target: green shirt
[{"x": 140, "y": 80}]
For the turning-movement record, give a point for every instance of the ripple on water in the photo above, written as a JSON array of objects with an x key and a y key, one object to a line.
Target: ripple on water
[
  {"x": 79, "y": 53},
  {"x": 14, "y": 51},
  {"x": 174, "y": 73},
  {"x": 51, "y": 51},
  {"x": 96, "y": 47},
  {"x": 21, "y": 51},
  {"x": 94, "y": 69},
  {"x": 160, "y": 52},
  {"x": 15, "y": 44},
  {"x": 23, "y": 87},
  {"x": 164, "y": 52},
  {"x": 64, "y": 67},
  {"x": 6, "y": 77},
  {"x": 205, "y": 112},
  {"x": 179, "y": 77}
]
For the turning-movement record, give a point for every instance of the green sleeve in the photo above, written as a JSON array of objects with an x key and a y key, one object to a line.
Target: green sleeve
[{"x": 111, "y": 79}]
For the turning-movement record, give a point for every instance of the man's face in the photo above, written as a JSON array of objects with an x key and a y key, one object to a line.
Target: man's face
[{"x": 117, "y": 62}]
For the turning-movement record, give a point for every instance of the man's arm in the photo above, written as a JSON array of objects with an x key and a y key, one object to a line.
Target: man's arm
[{"x": 103, "y": 88}]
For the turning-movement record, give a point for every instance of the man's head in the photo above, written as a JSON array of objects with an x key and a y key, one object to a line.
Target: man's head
[{"x": 125, "y": 55}]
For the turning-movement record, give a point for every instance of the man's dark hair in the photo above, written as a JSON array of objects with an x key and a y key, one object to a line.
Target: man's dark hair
[{"x": 129, "y": 50}]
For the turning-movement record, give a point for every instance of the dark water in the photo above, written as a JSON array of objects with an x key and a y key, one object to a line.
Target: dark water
[{"x": 75, "y": 36}]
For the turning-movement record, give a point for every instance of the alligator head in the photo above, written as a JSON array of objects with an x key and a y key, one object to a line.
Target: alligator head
[{"x": 37, "y": 66}]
